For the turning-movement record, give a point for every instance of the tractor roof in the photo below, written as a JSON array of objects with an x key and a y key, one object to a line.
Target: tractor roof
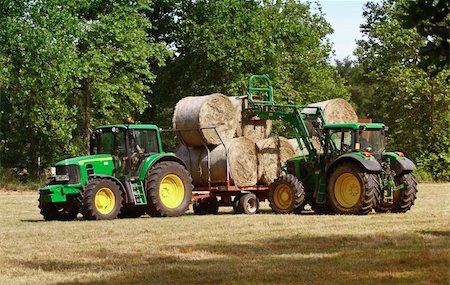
[
  {"x": 354, "y": 126},
  {"x": 130, "y": 126}
]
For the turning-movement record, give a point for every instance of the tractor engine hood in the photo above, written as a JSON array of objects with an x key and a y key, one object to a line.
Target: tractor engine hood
[{"x": 102, "y": 159}]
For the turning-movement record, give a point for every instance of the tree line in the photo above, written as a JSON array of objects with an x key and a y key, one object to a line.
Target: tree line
[{"x": 66, "y": 66}]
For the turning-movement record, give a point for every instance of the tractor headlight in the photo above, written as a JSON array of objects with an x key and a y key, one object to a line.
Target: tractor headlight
[{"x": 62, "y": 178}]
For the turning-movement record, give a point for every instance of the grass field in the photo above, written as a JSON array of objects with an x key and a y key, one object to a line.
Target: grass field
[{"x": 411, "y": 248}]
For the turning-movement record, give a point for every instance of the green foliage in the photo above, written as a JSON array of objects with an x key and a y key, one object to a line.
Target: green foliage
[
  {"x": 414, "y": 105},
  {"x": 66, "y": 65},
  {"x": 431, "y": 20},
  {"x": 219, "y": 44}
]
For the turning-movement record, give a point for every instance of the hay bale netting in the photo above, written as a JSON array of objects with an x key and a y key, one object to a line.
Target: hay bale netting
[
  {"x": 272, "y": 152},
  {"x": 193, "y": 157},
  {"x": 249, "y": 126},
  {"x": 242, "y": 156},
  {"x": 335, "y": 111},
  {"x": 213, "y": 110}
]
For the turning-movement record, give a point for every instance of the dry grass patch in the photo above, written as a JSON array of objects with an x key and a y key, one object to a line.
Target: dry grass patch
[{"x": 411, "y": 248}]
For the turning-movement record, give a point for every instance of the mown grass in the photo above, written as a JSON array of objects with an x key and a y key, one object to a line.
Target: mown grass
[{"x": 411, "y": 248}]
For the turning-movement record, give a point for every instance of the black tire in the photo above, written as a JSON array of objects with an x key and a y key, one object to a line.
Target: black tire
[
  {"x": 95, "y": 191},
  {"x": 177, "y": 199},
  {"x": 66, "y": 211},
  {"x": 248, "y": 204},
  {"x": 352, "y": 191},
  {"x": 286, "y": 194},
  {"x": 206, "y": 206},
  {"x": 403, "y": 198},
  {"x": 236, "y": 203}
]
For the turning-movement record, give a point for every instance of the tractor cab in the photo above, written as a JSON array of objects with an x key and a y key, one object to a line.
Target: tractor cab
[
  {"x": 367, "y": 139},
  {"x": 129, "y": 145}
]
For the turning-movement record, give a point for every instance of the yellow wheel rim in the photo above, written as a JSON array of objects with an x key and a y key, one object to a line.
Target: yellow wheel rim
[
  {"x": 171, "y": 191},
  {"x": 105, "y": 200},
  {"x": 283, "y": 196},
  {"x": 347, "y": 190}
]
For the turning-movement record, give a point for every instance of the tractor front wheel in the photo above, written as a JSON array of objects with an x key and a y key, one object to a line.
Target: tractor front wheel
[
  {"x": 352, "y": 191},
  {"x": 102, "y": 200},
  {"x": 169, "y": 189},
  {"x": 286, "y": 194},
  {"x": 66, "y": 211}
]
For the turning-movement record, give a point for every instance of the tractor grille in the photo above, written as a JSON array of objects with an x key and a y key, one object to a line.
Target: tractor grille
[{"x": 72, "y": 170}]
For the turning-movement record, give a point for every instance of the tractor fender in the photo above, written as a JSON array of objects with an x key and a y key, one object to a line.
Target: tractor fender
[
  {"x": 157, "y": 158},
  {"x": 399, "y": 164},
  {"x": 369, "y": 165},
  {"x": 102, "y": 176}
]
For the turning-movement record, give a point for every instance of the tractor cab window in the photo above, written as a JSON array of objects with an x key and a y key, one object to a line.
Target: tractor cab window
[
  {"x": 144, "y": 141},
  {"x": 341, "y": 139},
  {"x": 371, "y": 140},
  {"x": 111, "y": 141}
]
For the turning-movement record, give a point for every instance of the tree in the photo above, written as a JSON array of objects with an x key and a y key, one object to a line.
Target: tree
[
  {"x": 431, "y": 20},
  {"x": 219, "y": 44},
  {"x": 67, "y": 65},
  {"x": 414, "y": 105}
]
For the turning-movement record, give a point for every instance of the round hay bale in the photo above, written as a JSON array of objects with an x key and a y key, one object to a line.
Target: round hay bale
[
  {"x": 298, "y": 150},
  {"x": 242, "y": 157},
  {"x": 335, "y": 111},
  {"x": 193, "y": 157},
  {"x": 249, "y": 126},
  {"x": 213, "y": 110},
  {"x": 273, "y": 152},
  {"x": 296, "y": 147},
  {"x": 243, "y": 163}
]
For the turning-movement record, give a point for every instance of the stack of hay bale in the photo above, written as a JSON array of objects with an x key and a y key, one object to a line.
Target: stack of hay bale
[{"x": 221, "y": 126}]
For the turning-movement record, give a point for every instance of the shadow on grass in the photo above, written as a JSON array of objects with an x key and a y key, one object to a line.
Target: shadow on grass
[{"x": 339, "y": 259}]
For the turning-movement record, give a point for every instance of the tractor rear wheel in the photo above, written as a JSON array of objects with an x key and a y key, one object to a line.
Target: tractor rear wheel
[
  {"x": 66, "y": 211},
  {"x": 102, "y": 200},
  {"x": 248, "y": 204},
  {"x": 169, "y": 189},
  {"x": 352, "y": 191},
  {"x": 206, "y": 206},
  {"x": 286, "y": 194},
  {"x": 404, "y": 197}
]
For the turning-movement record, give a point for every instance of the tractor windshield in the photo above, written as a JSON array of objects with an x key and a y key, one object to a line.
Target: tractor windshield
[
  {"x": 372, "y": 140},
  {"x": 111, "y": 141}
]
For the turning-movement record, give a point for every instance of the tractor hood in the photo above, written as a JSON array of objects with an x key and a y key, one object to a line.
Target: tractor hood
[{"x": 104, "y": 159}]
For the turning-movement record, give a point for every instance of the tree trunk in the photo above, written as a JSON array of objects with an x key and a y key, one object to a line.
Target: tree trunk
[{"x": 87, "y": 91}]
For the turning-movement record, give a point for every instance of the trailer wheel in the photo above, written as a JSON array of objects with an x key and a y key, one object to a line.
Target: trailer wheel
[
  {"x": 102, "y": 200},
  {"x": 66, "y": 211},
  {"x": 206, "y": 206},
  {"x": 286, "y": 194},
  {"x": 352, "y": 191},
  {"x": 248, "y": 204},
  {"x": 169, "y": 189},
  {"x": 236, "y": 203}
]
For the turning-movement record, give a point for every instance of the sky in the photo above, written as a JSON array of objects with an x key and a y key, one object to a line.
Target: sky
[{"x": 345, "y": 17}]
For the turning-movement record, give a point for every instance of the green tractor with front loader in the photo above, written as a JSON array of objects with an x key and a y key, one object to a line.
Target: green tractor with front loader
[
  {"x": 349, "y": 173},
  {"x": 127, "y": 175}
]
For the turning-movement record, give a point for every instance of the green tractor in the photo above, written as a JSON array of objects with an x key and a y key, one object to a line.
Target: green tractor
[
  {"x": 350, "y": 173},
  {"x": 127, "y": 175}
]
